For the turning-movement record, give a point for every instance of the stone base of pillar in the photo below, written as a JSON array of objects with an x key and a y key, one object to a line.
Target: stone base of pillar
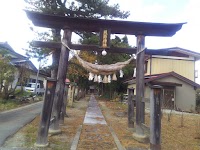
[
  {"x": 131, "y": 129},
  {"x": 61, "y": 123},
  {"x": 155, "y": 146},
  {"x": 61, "y": 120},
  {"x": 141, "y": 138},
  {"x": 54, "y": 132},
  {"x": 41, "y": 145}
]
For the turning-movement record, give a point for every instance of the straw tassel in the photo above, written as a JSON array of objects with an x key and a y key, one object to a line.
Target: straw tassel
[
  {"x": 95, "y": 78},
  {"x": 105, "y": 79},
  {"x": 99, "y": 78},
  {"x": 109, "y": 78},
  {"x": 114, "y": 77},
  {"x": 121, "y": 73}
]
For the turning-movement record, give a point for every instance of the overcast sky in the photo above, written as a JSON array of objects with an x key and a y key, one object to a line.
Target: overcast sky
[{"x": 15, "y": 27}]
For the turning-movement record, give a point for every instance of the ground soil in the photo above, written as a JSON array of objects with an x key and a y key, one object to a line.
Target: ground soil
[
  {"x": 96, "y": 137},
  {"x": 180, "y": 133},
  {"x": 119, "y": 124}
]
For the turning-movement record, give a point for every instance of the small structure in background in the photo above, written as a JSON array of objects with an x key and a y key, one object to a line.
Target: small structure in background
[
  {"x": 93, "y": 89},
  {"x": 71, "y": 92},
  {"x": 174, "y": 70}
]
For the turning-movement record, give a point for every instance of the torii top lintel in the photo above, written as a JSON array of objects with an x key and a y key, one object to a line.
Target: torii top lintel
[{"x": 94, "y": 25}]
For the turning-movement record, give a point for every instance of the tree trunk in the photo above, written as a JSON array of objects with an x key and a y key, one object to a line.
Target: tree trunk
[{"x": 5, "y": 90}]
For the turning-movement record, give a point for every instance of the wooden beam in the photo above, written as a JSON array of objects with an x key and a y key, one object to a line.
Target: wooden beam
[
  {"x": 44, "y": 44},
  {"x": 94, "y": 25},
  {"x": 165, "y": 83},
  {"x": 145, "y": 100},
  {"x": 57, "y": 45},
  {"x": 109, "y": 50}
]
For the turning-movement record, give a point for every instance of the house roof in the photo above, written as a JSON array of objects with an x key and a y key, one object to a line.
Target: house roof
[
  {"x": 17, "y": 59},
  {"x": 5, "y": 45},
  {"x": 173, "y": 51},
  {"x": 153, "y": 78},
  {"x": 10, "y": 50},
  {"x": 165, "y": 83},
  {"x": 94, "y": 25},
  {"x": 30, "y": 64}
]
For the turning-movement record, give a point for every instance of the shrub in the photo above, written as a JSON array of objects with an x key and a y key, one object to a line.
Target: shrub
[{"x": 21, "y": 94}]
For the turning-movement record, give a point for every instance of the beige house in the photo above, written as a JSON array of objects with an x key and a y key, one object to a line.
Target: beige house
[{"x": 174, "y": 70}]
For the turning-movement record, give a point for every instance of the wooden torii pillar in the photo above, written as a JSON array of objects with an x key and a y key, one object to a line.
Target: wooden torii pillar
[
  {"x": 140, "y": 108},
  {"x": 60, "y": 86}
]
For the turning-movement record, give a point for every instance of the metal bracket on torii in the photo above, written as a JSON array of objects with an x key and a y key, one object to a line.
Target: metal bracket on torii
[{"x": 69, "y": 25}]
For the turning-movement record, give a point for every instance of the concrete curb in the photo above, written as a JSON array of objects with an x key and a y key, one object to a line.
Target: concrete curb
[
  {"x": 117, "y": 142},
  {"x": 76, "y": 139},
  {"x": 15, "y": 109}
]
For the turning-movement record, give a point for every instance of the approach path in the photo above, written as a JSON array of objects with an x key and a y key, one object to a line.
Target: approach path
[
  {"x": 95, "y": 133},
  {"x": 11, "y": 121}
]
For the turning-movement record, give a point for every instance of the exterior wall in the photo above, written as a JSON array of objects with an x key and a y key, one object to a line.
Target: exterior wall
[
  {"x": 147, "y": 91},
  {"x": 161, "y": 65},
  {"x": 32, "y": 75},
  {"x": 16, "y": 79},
  {"x": 148, "y": 66}
]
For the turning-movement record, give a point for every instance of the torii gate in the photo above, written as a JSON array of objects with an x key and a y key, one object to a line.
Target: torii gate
[{"x": 139, "y": 29}]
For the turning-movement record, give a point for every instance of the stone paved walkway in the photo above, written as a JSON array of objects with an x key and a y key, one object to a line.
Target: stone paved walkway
[
  {"x": 93, "y": 114},
  {"x": 95, "y": 134}
]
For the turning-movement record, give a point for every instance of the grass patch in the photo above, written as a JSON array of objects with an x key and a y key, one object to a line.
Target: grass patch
[
  {"x": 15, "y": 103},
  {"x": 8, "y": 104},
  {"x": 30, "y": 134}
]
